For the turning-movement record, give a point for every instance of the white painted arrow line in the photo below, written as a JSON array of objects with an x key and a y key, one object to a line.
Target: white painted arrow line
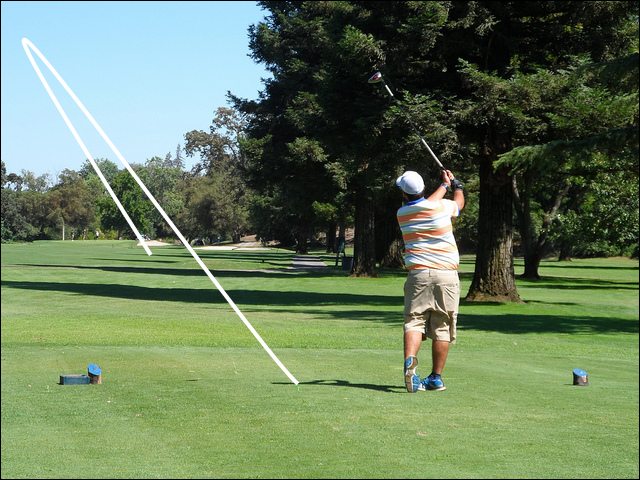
[{"x": 27, "y": 44}]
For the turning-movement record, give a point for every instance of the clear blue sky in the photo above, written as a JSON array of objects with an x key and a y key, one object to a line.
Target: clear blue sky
[{"x": 148, "y": 72}]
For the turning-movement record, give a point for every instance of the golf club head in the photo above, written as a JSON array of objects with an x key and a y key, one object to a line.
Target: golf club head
[{"x": 376, "y": 78}]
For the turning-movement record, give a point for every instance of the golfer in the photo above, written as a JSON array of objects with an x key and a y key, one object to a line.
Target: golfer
[{"x": 432, "y": 289}]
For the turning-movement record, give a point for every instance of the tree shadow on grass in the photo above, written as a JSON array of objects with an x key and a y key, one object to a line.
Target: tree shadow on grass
[
  {"x": 566, "y": 266},
  {"x": 346, "y": 383},
  {"x": 206, "y": 295},
  {"x": 339, "y": 306},
  {"x": 240, "y": 256},
  {"x": 521, "y": 324},
  {"x": 274, "y": 271},
  {"x": 148, "y": 260},
  {"x": 572, "y": 283}
]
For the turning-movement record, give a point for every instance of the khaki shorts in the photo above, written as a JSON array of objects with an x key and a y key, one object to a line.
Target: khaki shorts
[{"x": 431, "y": 299}]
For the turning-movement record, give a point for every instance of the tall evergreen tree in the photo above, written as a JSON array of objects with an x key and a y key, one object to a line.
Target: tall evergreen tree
[{"x": 321, "y": 53}]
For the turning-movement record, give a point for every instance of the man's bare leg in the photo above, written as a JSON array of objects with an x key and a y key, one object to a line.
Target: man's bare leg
[
  {"x": 412, "y": 342},
  {"x": 439, "y": 351}
]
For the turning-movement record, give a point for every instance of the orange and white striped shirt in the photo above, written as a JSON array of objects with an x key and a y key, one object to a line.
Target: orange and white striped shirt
[{"x": 428, "y": 234}]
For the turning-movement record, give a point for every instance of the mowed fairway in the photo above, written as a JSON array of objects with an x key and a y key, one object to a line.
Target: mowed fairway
[{"x": 188, "y": 392}]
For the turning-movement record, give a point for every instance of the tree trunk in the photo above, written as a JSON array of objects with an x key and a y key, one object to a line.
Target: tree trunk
[
  {"x": 534, "y": 250},
  {"x": 331, "y": 238},
  {"x": 236, "y": 235},
  {"x": 394, "y": 256},
  {"x": 566, "y": 251},
  {"x": 302, "y": 239},
  {"x": 389, "y": 245},
  {"x": 364, "y": 253},
  {"x": 531, "y": 265},
  {"x": 522, "y": 207},
  {"x": 494, "y": 278}
]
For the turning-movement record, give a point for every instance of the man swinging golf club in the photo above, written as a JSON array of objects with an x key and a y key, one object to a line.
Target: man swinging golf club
[{"x": 432, "y": 289}]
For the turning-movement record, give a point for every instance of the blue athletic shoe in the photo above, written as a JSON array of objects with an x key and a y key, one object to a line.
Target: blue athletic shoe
[
  {"x": 432, "y": 382},
  {"x": 411, "y": 378}
]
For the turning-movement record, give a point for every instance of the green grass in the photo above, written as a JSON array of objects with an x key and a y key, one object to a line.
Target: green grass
[{"x": 188, "y": 392}]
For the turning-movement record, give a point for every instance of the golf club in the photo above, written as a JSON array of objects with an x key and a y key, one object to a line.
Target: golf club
[{"x": 377, "y": 78}]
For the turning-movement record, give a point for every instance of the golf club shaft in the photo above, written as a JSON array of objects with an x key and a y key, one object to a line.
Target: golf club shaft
[{"x": 414, "y": 127}]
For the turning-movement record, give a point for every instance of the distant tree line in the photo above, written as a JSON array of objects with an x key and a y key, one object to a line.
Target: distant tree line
[
  {"x": 533, "y": 105},
  {"x": 209, "y": 201}
]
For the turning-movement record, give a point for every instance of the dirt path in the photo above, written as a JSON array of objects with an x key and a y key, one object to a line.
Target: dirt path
[
  {"x": 304, "y": 262},
  {"x": 308, "y": 263}
]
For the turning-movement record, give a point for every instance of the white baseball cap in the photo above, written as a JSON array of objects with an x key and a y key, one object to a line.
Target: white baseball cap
[{"x": 411, "y": 183}]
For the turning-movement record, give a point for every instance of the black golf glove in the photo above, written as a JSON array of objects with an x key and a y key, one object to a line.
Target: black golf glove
[{"x": 456, "y": 185}]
